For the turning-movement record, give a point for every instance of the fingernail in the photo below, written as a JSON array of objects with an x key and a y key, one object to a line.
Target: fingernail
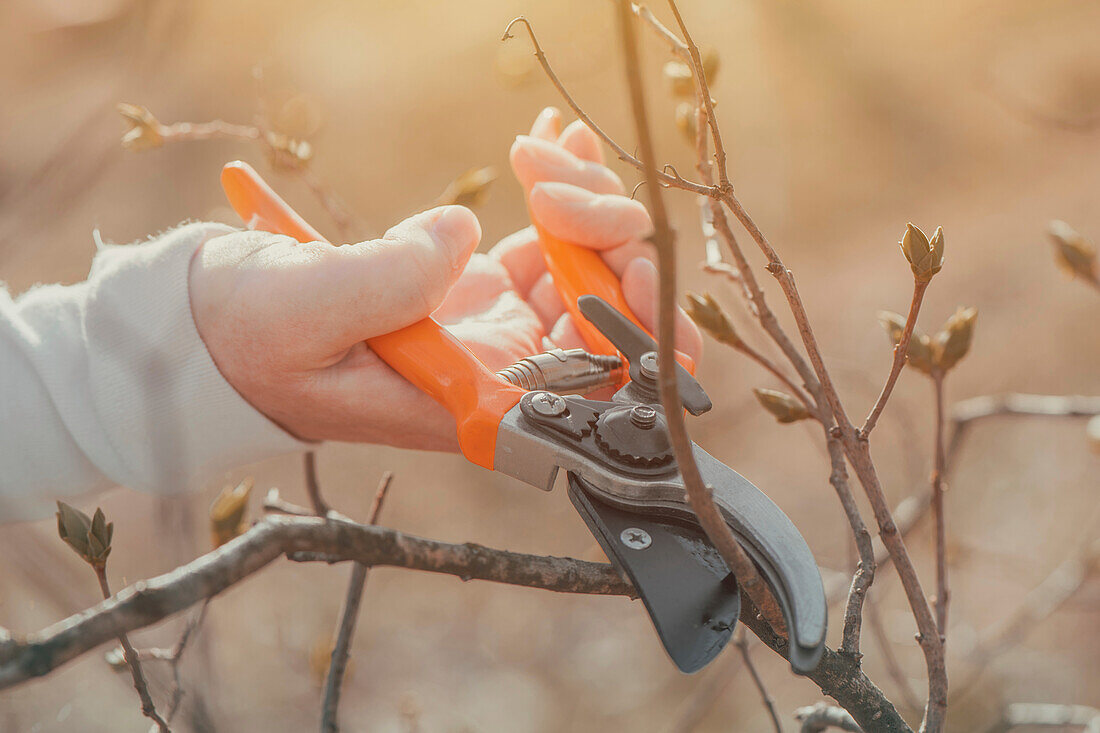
[
  {"x": 458, "y": 230},
  {"x": 564, "y": 193}
]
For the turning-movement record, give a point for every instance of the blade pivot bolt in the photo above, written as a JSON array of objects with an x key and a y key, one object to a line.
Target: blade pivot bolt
[
  {"x": 548, "y": 404},
  {"x": 648, "y": 365},
  {"x": 635, "y": 538},
  {"x": 643, "y": 417}
]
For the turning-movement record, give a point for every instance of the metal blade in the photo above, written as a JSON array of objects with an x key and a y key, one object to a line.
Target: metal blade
[{"x": 689, "y": 592}]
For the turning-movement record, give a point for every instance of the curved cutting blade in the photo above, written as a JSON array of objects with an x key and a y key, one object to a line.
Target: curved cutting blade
[{"x": 689, "y": 592}]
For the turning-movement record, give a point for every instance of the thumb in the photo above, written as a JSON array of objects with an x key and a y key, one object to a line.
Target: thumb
[{"x": 382, "y": 285}]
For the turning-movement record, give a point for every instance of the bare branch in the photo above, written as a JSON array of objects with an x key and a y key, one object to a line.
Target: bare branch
[
  {"x": 742, "y": 642},
  {"x": 584, "y": 117},
  {"x": 313, "y": 486},
  {"x": 148, "y": 709},
  {"x": 901, "y": 354},
  {"x": 705, "y": 100},
  {"x": 341, "y": 649},
  {"x": 939, "y": 520},
  {"x": 679, "y": 48},
  {"x": 699, "y": 494},
  {"x": 838, "y": 676},
  {"x": 147, "y": 602}
]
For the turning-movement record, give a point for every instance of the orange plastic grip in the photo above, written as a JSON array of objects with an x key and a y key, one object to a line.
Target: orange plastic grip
[
  {"x": 424, "y": 353},
  {"x": 581, "y": 271}
]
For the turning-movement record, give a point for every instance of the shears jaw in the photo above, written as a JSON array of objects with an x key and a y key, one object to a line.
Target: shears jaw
[
  {"x": 691, "y": 596},
  {"x": 545, "y": 433}
]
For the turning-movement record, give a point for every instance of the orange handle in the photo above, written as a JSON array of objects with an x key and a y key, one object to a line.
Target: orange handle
[
  {"x": 578, "y": 271},
  {"x": 424, "y": 353}
]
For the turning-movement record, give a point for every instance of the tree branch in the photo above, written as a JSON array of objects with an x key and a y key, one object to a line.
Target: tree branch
[
  {"x": 584, "y": 117},
  {"x": 839, "y": 677},
  {"x": 147, "y": 602},
  {"x": 341, "y": 649},
  {"x": 901, "y": 355},
  {"x": 148, "y": 709},
  {"x": 742, "y": 643},
  {"x": 939, "y": 520},
  {"x": 699, "y": 494}
]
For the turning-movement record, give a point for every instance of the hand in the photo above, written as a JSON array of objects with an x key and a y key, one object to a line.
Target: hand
[{"x": 286, "y": 322}]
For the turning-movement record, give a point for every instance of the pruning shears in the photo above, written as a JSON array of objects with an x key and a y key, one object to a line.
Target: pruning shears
[{"x": 529, "y": 421}]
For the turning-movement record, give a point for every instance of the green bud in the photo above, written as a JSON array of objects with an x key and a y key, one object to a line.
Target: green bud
[
  {"x": 89, "y": 538},
  {"x": 227, "y": 512},
  {"x": 920, "y": 345},
  {"x": 1073, "y": 252},
  {"x": 782, "y": 406},
  {"x": 953, "y": 342},
  {"x": 925, "y": 257},
  {"x": 710, "y": 317}
]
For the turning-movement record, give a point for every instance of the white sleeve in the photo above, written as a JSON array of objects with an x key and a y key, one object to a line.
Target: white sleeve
[{"x": 108, "y": 382}]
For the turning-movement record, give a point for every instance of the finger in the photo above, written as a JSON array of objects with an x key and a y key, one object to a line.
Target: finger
[
  {"x": 545, "y": 301},
  {"x": 579, "y": 216},
  {"x": 371, "y": 288},
  {"x": 618, "y": 258},
  {"x": 477, "y": 288},
  {"x": 579, "y": 140},
  {"x": 502, "y": 332},
  {"x": 640, "y": 290},
  {"x": 547, "y": 125},
  {"x": 566, "y": 335},
  {"x": 521, "y": 257},
  {"x": 535, "y": 160}
]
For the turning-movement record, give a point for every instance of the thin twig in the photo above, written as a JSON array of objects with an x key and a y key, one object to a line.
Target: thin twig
[
  {"x": 313, "y": 486},
  {"x": 822, "y": 716},
  {"x": 742, "y": 643},
  {"x": 901, "y": 355},
  {"x": 705, "y": 99},
  {"x": 177, "y": 654},
  {"x": 148, "y": 709},
  {"x": 939, "y": 520},
  {"x": 583, "y": 116},
  {"x": 699, "y": 494},
  {"x": 679, "y": 48},
  {"x": 341, "y": 649},
  {"x": 147, "y": 602}
]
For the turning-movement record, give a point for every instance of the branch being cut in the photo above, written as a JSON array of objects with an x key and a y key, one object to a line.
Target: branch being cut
[
  {"x": 147, "y": 602},
  {"x": 699, "y": 494}
]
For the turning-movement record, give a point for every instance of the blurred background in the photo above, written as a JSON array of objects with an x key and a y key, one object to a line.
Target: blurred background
[{"x": 843, "y": 121}]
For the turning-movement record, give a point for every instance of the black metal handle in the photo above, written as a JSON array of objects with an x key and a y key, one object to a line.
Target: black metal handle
[{"x": 634, "y": 343}]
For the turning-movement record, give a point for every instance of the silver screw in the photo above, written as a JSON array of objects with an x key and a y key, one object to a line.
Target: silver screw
[
  {"x": 635, "y": 538},
  {"x": 548, "y": 404},
  {"x": 643, "y": 416},
  {"x": 648, "y": 364}
]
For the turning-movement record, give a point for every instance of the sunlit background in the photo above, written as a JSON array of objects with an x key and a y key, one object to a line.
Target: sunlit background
[{"x": 843, "y": 122}]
